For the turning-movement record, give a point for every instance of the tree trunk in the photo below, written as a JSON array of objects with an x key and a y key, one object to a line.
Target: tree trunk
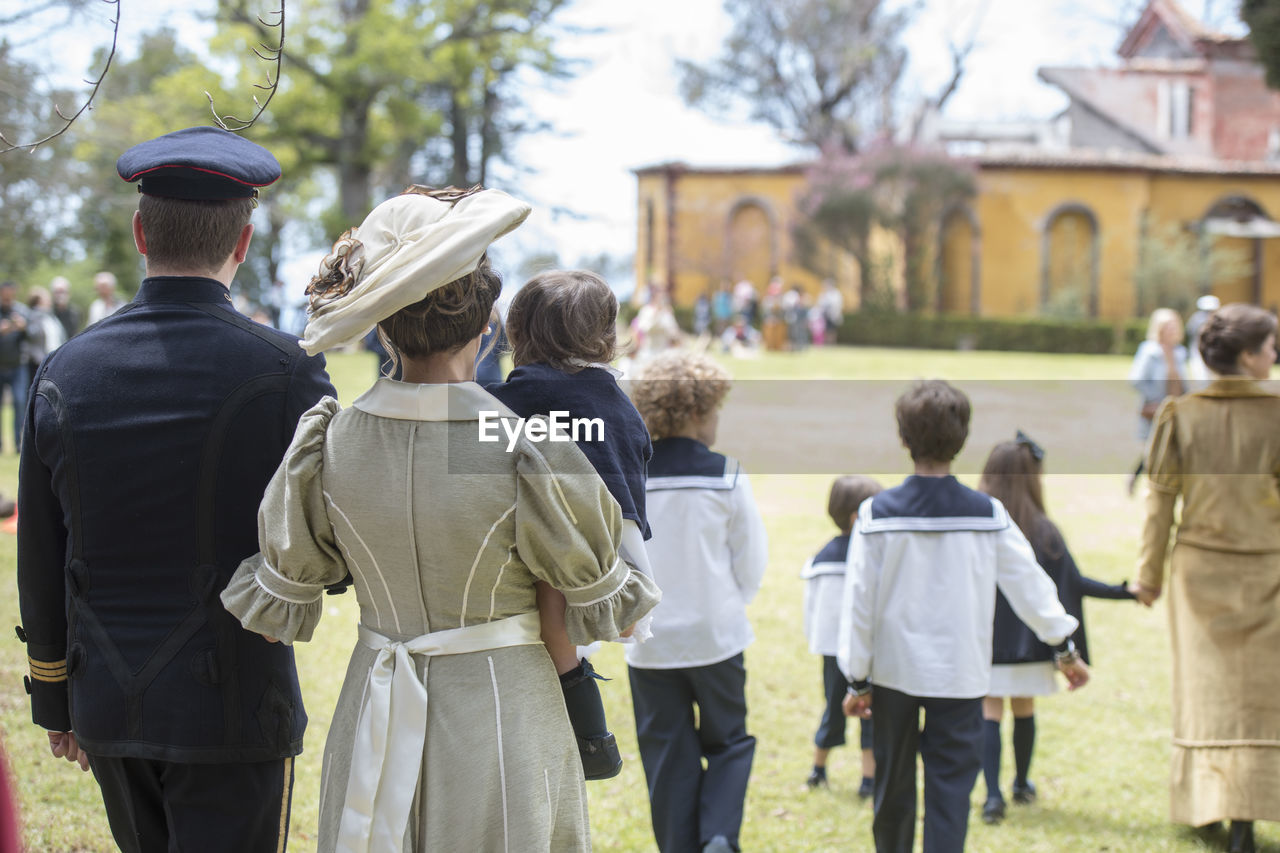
[
  {"x": 354, "y": 171},
  {"x": 488, "y": 134},
  {"x": 461, "y": 170}
]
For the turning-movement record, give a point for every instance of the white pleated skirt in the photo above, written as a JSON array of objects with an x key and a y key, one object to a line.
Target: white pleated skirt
[{"x": 1023, "y": 679}]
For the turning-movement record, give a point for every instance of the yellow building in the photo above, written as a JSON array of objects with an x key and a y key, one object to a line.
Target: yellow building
[
  {"x": 1039, "y": 226},
  {"x": 1182, "y": 136}
]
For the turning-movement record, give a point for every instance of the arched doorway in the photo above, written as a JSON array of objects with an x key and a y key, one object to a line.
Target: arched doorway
[
  {"x": 751, "y": 247},
  {"x": 1069, "y": 261},
  {"x": 1238, "y": 225},
  {"x": 959, "y": 264}
]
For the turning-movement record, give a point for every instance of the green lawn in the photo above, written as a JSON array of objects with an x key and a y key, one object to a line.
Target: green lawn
[{"x": 1102, "y": 755}]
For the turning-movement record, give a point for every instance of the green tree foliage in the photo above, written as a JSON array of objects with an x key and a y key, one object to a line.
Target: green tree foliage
[
  {"x": 1263, "y": 19},
  {"x": 1175, "y": 266},
  {"x": 35, "y": 214},
  {"x": 821, "y": 72},
  {"x": 901, "y": 189},
  {"x": 388, "y": 92},
  {"x": 159, "y": 90},
  {"x": 374, "y": 95}
]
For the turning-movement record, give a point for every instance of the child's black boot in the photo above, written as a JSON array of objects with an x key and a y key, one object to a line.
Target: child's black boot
[{"x": 596, "y": 745}]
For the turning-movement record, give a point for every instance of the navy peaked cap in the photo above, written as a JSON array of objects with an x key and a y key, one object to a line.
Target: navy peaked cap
[{"x": 204, "y": 163}]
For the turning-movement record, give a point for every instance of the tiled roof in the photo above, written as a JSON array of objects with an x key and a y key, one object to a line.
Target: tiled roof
[
  {"x": 678, "y": 166},
  {"x": 1031, "y": 158}
]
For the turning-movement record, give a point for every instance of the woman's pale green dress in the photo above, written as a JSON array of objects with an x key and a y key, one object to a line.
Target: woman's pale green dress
[{"x": 444, "y": 536}]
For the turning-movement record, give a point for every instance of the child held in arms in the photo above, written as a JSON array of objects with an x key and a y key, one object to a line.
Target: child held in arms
[{"x": 562, "y": 330}]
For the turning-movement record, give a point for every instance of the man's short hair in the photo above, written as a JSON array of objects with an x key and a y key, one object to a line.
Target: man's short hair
[
  {"x": 192, "y": 235},
  {"x": 933, "y": 421}
]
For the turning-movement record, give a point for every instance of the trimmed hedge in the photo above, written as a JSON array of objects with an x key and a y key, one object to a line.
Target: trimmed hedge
[
  {"x": 1016, "y": 334},
  {"x": 962, "y": 331}
]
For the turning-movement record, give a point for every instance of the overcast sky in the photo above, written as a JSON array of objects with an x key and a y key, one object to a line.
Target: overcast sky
[{"x": 623, "y": 111}]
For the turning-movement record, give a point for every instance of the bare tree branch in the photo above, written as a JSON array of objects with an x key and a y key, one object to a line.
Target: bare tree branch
[
  {"x": 6, "y": 145},
  {"x": 267, "y": 54},
  {"x": 959, "y": 56}
]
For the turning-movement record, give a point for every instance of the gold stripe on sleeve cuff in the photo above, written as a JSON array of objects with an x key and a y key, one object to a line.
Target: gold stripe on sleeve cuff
[{"x": 48, "y": 670}]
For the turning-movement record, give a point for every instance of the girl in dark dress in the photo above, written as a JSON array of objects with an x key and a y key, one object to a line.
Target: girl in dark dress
[{"x": 1022, "y": 666}]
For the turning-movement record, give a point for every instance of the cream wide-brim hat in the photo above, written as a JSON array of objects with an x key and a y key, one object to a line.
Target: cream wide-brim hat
[{"x": 409, "y": 246}]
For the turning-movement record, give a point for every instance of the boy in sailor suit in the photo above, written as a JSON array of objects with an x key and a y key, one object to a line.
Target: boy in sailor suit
[
  {"x": 708, "y": 552},
  {"x": 824, "y": 585},
  {"x": 925, "y": 560}
]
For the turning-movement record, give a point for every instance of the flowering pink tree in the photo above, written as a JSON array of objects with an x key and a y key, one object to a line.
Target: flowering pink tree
[{"x": 904, "y": 189}]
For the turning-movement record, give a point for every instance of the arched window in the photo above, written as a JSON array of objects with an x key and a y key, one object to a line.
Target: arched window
[
  {"x": 751, "y": 245},
  {"x": 1069, "y": 261},
  {"x": 959, "y": 263}
]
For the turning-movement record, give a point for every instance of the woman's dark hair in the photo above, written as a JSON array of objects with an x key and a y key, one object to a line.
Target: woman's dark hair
[
  {"x": 560, "y": 316},
  {"x": 447, "y": 318},
  {"x": 1231, "y": 330},
  {"x": 933, "y": 420},
  {"x": 1012, "y": 476},
  {"x": 847, "y": 494}
]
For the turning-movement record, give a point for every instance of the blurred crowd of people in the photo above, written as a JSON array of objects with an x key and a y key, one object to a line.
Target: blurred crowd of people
[{"x": 740, "y": 320}]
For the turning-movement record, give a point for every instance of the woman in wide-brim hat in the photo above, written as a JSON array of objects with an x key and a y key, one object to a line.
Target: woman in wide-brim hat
[{"x": 450, "y": 732}]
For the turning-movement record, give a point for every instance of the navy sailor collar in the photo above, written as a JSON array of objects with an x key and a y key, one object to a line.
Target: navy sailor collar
[{"x": 931, "y": 504}]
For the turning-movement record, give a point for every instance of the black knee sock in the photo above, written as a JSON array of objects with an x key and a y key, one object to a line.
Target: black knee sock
[
  {"x": 582, "y": 700},
  {"x": 991, "y": 757},
  {"x": 1024, "y": 743}
]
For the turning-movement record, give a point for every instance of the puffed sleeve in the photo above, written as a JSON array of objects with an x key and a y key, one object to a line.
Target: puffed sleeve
[
  {"x": 1164, "y": 483},
  {"x": 277, "y": 592},
  {"x": 568, "y": 531}
]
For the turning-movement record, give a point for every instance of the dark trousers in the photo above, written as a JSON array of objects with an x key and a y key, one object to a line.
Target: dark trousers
[
  {"x": 950, "y": 745},
  {"x": 831, "y": 728},
  {"x": 690, "y": 805},
  {"x": 18, "y": 382},
  {"x": 167, "y": 807}
]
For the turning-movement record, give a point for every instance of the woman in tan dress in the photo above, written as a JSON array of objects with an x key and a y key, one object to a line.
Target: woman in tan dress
[
  {"x": 1219, "y": 450},
  {"x": 450, "y": 733}
]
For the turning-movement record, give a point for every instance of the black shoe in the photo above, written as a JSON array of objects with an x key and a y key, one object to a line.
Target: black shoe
[
  {"x": 1024, "y": 794},
  {"x": 993, "y": 810},
  {"x": 1242, "y": 837},
  {"x": 600, "y": 757},
  {"x": 817, "y": 779},
  {"x": 867, "y": 788},
  {"x": 718, "y": 844}
]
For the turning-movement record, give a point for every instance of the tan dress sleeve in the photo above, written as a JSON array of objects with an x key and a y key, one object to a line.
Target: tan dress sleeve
[
  {"x": 278, "y": 591},
  {"x": 1164, "y": 484},
  {"x": 568, "y": 531}
]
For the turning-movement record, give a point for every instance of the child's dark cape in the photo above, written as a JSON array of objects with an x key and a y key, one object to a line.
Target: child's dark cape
[{"x": 622, "y": 457}]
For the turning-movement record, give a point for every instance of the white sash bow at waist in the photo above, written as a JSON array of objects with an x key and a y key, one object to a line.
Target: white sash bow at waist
[{"x": 383, "y": 779}]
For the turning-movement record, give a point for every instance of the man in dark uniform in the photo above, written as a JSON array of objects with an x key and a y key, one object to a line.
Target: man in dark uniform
[{"x": 150, "y": 439}]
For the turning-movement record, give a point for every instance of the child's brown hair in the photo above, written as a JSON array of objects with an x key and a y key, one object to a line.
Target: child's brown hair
[
  {"x": 933, "y": 420},
  {"x": 847, "y": 494},
  {"x": 1012, "y": 476},
  {"x": 563, "y": 317}
]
